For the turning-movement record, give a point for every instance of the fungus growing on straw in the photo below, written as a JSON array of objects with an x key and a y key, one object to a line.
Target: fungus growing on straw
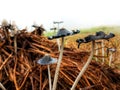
[
  {"x": 47, "y": 60},
  {"x": 60, "y": 34},
  {"x": 89, "y": 38}
]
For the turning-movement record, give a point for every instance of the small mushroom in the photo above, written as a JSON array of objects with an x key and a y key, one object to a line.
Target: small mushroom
[
  {"x": 47, "y": 60},
  {"x": 60, "y": 34},
  {"x": 87, "y": 39},
  {"x": 111, "y": 51},
  {"x": 85, "y": 67},
  {"x": 38, "y": 29},
  {"x": 80, "y": 41}
]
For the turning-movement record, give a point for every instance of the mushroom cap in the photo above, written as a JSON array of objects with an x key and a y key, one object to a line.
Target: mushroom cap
[
  {"x": 46, "y": 60},
  {"x": 111, "y": 35},
  {"x": 100, "y": 35},
  {"x": 62, "y": 33},
  {"x": 80, "y": 41},
  {"x": 89, "y": 38}
]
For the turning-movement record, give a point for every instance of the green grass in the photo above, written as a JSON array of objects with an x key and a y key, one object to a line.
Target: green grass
[
  {"x": 106, "y": 29},
  {"x": 50, "y": 33}
]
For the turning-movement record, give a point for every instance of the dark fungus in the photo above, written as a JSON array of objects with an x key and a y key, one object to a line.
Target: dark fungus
[
  {"x": 63, "y": 33},
  {"x": 99, "y": 35}
]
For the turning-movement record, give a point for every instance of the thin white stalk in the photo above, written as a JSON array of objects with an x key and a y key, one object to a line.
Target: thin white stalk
[
  {"x": 15, "y": 41},
  {"x": 96, "y": 53},
  {"x": 15, "y": 44},
  {"x": 84, "y": 68},
  {"x": 58, "y": 65},
  {"x": 103, "y": 53},
  {"x": 58, "y": 42},
  {"x": 110, "y": 58},
  {"x": 49, "y": 76},
  {"x": 2, "y": 87}
]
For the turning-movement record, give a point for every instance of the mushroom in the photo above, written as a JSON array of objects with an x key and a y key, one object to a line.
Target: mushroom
[
  {"x": 47, "y": 60},
  {"x": 89, "y": 38},
  {"x": 60, "y": 34},
  {"x": 111, "y": 51},
  {"x": 38, "y": 29},
  {"x": 85, "y": 66},
  {"x": 2, "y": 87}
]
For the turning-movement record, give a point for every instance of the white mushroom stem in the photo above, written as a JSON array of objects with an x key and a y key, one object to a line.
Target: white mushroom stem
[
  {"x": 96, "y": 52},
  {"x": 58, "y": 65},
  {"x": 58, "y": 42},
  {"x": 84, "y": 68},
  {"x": 103, "y": 53},
  {"x": 15, "y": 41},
  {"x": 49, "y": 76},
  {"x": 2, "y": 87},
  {"x": 110, "y": 58}
]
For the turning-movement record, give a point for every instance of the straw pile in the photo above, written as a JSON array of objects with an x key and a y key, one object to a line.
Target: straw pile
[{"x": 19, "y": 71}]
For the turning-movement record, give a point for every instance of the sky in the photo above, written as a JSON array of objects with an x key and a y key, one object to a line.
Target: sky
[{"x": 74, "y": 13}]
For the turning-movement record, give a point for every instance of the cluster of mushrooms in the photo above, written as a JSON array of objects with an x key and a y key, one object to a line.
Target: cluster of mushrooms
[
  {"x": 90, "y": 38},
  {"x": 61, "y": 34},
  {"x": 47, "y": 59}
]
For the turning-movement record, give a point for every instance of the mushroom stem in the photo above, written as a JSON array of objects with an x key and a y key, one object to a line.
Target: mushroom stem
[
  {"x": 103, "y": 53},
  {"x": 2, "y": 87},
  {"x": 58, "y": 42},
  {"x": 58, "y": 65},
  {"x": 15, "y": 41},
  {"x": 96, "y": 53},
  {"x": 111, "y": 56},
  {"x": 49, "y": 76},
  {"x": 84, "y": 68}
]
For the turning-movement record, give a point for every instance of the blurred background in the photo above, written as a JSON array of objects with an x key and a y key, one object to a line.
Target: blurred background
[{"x": 74, "y": 13}]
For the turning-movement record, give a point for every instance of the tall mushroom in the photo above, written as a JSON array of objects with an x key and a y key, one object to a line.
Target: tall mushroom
[
  {"x": 60, "y": 34},
  {"x": 89, "y": 38},
  {"x": 87, "y": 63},
  {"x": 47, "y": 60}
]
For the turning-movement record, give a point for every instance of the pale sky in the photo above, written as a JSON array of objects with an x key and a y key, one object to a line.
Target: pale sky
[{"x": 74, "y": 13}]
